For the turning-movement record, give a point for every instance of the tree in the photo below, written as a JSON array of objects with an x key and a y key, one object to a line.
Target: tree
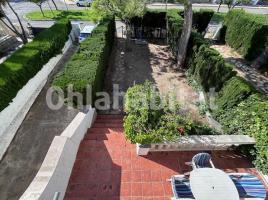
[
  {"x": 123, "y": 9},
  {"x": 39, "y": 4},
  {"x": 8, "y": 23},
  {"x": 55, "y": 4},
  {"x": 231, "y": 4},
  {"x": 186, "y": 33}
]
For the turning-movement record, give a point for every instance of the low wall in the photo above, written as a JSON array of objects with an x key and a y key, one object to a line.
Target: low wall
[
  {"x": 13, "y": 115},
  {"x": 54, "y": 173},
  {"x": 197, "y": 143}
]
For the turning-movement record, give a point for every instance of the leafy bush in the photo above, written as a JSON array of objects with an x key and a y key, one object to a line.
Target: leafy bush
[
  {"x": 22, "y": 65},
  {"x": 247, "y": 33},
  {"x": 233, "y": 92},
  {"x": 150, "y": 120},
  {"x": 175, "y": 23},
  {"x": 88, "y": 65},
  {"x": 250, "y": 118},
  {"x": 209, "y": 69}
]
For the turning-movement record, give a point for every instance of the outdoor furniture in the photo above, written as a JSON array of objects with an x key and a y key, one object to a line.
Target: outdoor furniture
[
  {"x": 201, "y": 160},
  {"x": 248, "y": 186},
  {"x": 212, "y": 184},
  {"x": 181, "y": 188}
]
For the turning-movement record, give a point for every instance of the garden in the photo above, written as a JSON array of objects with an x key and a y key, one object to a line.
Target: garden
[{"x": 239, "y": 107}]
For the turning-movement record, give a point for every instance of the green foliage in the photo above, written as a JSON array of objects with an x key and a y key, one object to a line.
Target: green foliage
[
  {"x": 175, "y": 24},
  {"x": 22, "y": 65},
  {"x": 233, "y": 92},
  {"x": 124, "y": 10},
  {"x": 250, "y": 118},
  {"x": 152, "y": 119},
  {"x": 87, "y": 66},
  {"x": 209, "y": 69},
  {"x": 247, "y": 33},
  {"x": 87, "y": 14},
  {"x": 201, "y": 19}
]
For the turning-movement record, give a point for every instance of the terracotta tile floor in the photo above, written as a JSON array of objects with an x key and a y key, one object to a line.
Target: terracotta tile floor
[{"x": 107, "y": 166}]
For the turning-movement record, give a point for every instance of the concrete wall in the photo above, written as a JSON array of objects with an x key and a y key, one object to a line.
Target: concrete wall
[
  {"x": 56, "y": 169},
  {"x": 13, "y": 115}
]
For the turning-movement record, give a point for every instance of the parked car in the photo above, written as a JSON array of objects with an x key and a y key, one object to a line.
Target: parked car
[
  {"x": 83, "y": 2},
  {"x": 86, "y": 32}
]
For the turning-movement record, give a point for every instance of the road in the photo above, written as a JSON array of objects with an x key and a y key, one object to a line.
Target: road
[
  {"x": 251, "y": 9},
  {"x": 22, "y": 7}
]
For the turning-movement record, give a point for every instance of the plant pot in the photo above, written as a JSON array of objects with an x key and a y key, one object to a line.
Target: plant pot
[{"x": 142, "y": 150}]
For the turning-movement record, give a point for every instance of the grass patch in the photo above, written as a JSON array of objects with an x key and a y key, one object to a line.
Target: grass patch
[{"x": 87, "y": 14}]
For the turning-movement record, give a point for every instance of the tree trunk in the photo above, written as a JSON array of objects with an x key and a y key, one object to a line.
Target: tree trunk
[
  {"x": 41, "y": 9},
  {"x": 55, "y": 4},
  {"x": 186, "y": 33},
  {"x": 10, "y": 26},
  {"x": 24, "y": 37},
  {"x": 219, "y": 6},
  {"x": 167, "y": 21},
  {"x": 261, "y": 60}
]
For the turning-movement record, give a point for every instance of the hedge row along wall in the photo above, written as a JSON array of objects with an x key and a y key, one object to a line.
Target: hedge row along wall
[
  {"x": 22, "y": 65},
  {"x": 247, "y": 33},
  {"x": 209, "y": 69},
  {"x": 240, "y": 108},
  {"x": 175, "y": 23},
  {"x": 87, "y": 66},
  {"x": 233, "y": 92}
]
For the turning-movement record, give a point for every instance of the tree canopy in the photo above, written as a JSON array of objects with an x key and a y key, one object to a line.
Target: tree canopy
[{"x": 123, "y": 9}]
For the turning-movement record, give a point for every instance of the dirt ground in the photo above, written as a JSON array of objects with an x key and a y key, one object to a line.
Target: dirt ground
[{"x": 135, "y": 63}]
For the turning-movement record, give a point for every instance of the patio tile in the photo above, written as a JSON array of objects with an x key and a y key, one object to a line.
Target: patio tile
[
  {"x": 110, "y": 168},
  {"x": 136, "y": 189}
]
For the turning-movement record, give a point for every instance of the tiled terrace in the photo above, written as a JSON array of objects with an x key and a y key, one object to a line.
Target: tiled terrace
[{"x": 107, "y": 166}]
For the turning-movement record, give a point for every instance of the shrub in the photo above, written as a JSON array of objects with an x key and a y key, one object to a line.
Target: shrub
[
  {"x": 247, "y": 33},
  {"x": 150, "y": 120},
  {"x": 250, "y": 118},
  {"x": 233, "y": 92},
  {"x": 22, "y": 65},
  {"x": 87, "y": 66},
  {"x": 209, "y": 69},
  {"x": 175, "y": 23}
]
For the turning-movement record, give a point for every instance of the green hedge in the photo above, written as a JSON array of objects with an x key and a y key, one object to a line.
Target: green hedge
[
  {"x": 250, "y": 118},
  {"x": 22, "y": 65},
  {"x": 175, "y": 24},
  {"x": 233, "y": 92},
  {"x": 209, "y": 69},
  {"x": 87, "y": 66},
  {"x": 247, "y": 33}
]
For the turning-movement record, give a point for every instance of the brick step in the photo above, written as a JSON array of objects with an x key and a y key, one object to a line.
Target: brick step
[
  {"x": 104, "y": 130},
  {"x": 93, "y": 136},
  {"x": 111, "y": 121},
  {"x": 110, "y": 117},
  {"x": 107, "y": 125}
]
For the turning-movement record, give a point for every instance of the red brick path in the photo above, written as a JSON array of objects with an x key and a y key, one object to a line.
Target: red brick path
[{"x": 108, "y": 168}]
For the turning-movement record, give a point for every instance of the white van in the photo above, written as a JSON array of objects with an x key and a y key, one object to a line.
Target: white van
[
  {"x": 83, "y": 2},
  {"x": 86, "y": 32}
]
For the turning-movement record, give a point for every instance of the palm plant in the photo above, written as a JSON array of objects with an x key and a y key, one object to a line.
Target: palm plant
[{"x": 8, "y": 23}]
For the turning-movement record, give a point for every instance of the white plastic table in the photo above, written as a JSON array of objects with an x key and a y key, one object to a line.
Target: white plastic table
[{"x": 212, "y": 184}]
